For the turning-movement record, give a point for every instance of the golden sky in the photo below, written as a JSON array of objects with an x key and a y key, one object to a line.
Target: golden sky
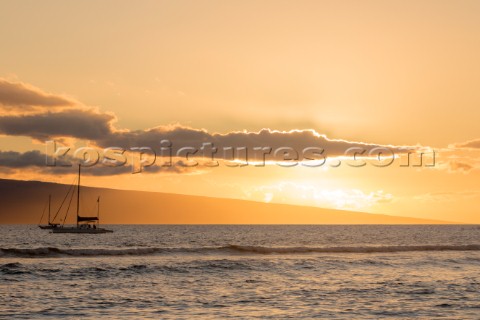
[{"x": 396, "y": 73}]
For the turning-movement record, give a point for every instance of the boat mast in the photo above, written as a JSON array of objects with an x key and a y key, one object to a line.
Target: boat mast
[
  {"x": 49, "y": 201},
  {"x": 78, "y": 195},
  {"x": 98, "y": 211}
]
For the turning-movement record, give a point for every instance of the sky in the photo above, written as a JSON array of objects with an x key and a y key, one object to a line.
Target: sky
[{"x": 325, "y": 74}]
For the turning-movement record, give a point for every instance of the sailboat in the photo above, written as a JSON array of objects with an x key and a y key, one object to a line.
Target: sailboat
[
  {"x": 84, "y": 224},
  {"x": 50, "y": 224}
]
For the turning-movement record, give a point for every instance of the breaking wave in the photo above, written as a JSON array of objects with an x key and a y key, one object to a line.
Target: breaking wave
[{"x": 230, "y": 249}]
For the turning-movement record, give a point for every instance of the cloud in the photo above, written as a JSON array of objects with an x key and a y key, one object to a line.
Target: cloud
[
  {"x": 457, "y": 166},
  {"x": 13, "y": 159},
  {"x": 98, "y": 127},
  {"x": 472, "y": 144},
  {"x": 35, "y": 160},
  {"x": 77, "y": 123},
  {"x": 18, "y": 96},
  {"x": 81, "y": 122},
  {"x": 460, "y": 165},
  {"x": 458, "y": 161},
  {"x": 181, "y": 136},
  {"x": 28, "y": 111}
]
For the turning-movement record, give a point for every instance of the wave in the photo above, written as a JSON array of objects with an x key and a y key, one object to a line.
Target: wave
[
  {"x": 365, "y": 249},
  {"x": 230, "y": 249},
  {"x": 52, "y": 252}
]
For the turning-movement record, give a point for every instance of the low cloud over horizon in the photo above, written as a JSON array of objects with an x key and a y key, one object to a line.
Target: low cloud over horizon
[
  {"x": 57, "y": 117},
  {"x": 23, "y": 97},
  {"x": 49, "y": 116}
]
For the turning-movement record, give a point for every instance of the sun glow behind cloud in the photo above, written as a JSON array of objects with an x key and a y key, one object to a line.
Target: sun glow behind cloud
[
  {"x": 309, "y": 194},
  {"x": 344, "y": 75}
]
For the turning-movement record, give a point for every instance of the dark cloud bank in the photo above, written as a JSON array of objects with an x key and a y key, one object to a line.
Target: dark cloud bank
[{"x": 57, "y": 117}]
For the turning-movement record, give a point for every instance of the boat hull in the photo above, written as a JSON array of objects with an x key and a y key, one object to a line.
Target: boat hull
[
  {"x": 81, "y": 230},
  {"x": 47, "y": 227}
]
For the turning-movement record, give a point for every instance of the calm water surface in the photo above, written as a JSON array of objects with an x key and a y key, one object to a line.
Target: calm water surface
[{"x": 185, "y": 272}]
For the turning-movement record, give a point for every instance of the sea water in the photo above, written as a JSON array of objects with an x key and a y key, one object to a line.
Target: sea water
[{"x": 221, "y": 271}]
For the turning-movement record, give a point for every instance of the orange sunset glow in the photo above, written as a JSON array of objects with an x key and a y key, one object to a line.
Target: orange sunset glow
[
  {"x": 358, "y": 73},
  {"x": 239, "y": 159}
]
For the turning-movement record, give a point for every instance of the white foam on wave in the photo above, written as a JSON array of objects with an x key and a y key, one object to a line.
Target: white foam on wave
[{"x": 235, "y": 249}]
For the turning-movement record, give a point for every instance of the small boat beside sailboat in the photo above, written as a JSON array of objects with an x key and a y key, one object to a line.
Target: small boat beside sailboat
[
  {"x": 50, "y": 224},
  {"x": 84, "y": 224}
]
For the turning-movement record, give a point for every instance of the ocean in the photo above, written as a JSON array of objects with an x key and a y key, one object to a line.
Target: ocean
[{"x": 248, "y": 272}]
